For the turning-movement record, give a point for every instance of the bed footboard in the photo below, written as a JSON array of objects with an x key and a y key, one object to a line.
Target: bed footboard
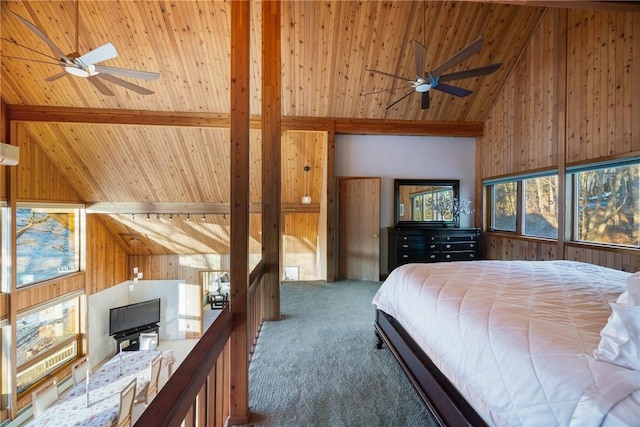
[{"x": 440, "y": 396}]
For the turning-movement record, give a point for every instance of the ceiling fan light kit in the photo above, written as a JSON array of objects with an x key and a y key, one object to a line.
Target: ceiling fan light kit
[
  {"x": 425, "y": 82},
  {"x": 85, "y": 66}
]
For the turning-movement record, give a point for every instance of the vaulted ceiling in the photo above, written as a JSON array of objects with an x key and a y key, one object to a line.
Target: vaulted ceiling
[{"x": 326, "y": 48}]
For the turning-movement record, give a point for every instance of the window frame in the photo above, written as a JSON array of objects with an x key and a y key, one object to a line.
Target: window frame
[
  {"x": 74, "y": 340},
  {"x": 489, "y": 186},
  {"x": 78, "y": 238},
  {"x": 573, "y": 195}
]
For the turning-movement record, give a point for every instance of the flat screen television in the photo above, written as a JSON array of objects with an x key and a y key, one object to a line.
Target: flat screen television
[{"x": 133, "y": 316}]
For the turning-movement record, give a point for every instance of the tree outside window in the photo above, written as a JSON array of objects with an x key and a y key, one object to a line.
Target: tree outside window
[
  {"x": 46, "y": 243},
  {"x": 608, "y": 205}
]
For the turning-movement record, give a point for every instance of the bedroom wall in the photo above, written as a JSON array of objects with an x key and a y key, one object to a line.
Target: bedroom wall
[
  {"x": 390, "y": 157},
  {"x": 571, "y": 99}
]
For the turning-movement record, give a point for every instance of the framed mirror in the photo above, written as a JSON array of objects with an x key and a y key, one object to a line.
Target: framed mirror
[{"x": 423, "y": 202}]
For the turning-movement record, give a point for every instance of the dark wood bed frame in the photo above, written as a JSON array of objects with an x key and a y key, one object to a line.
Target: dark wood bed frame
[{"x": 441, "y": 397}]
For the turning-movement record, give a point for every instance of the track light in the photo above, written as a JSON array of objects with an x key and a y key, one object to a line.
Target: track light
[
  {"x": 133, "y": 217},
  {"x": 188, "y": 217},
  {"x": 170, "y": 217},
  {"x": 204, "y": 217},
  {"x": 148, "y": 217},
  {"x": 157, "y": 216}
]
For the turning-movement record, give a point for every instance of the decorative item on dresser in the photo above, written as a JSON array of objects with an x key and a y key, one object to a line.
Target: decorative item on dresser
[{"x": 432, "y": 245}]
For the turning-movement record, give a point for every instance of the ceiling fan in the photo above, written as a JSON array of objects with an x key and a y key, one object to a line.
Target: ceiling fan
[
  {"x": 86, "y": 66},
  {"x": 434, "y": 79}
]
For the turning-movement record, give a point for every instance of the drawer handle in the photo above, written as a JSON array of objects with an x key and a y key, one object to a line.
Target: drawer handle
[
  {"x": 405, "y": 256},
  {"x": 448, "y": 256},
  {"x": 405, "y": 238},
  {"x": 472, "y": 245},
  {"x": 405, "y": 246},
  {"x": 472, "y": 256},
  {"x": 447, "y": 246},
  {"x": 447, "y": 238},
  {"x": 432, "y": 246},
  {"x": 432, "y": 256}
]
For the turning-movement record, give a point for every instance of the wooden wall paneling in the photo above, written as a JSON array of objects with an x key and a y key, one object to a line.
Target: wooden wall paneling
[
  {"x": 107, "y": 261},
  {"x": 300, "y": 244},
  {"x": 37, "y": 294},
  {"x": 602, "y": 84},
  {"x": 625, "y": 260},
  {"x": 38, "y": 177},
  {"x": 635, "y": 83},
  {"x": 4, "y": 307}
]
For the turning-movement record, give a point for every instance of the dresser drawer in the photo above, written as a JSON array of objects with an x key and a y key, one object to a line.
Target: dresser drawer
[
  {"x": 417, "y": 245},
  {"x": 417, "y": 256},
  {"x": 458, "y": 246},
  {"x": 458, "y": 256},
  {"x": 460, "y": 238},
  {"x": 421, "y": 237}
]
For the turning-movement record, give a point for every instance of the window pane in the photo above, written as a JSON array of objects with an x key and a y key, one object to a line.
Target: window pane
[
  {"x": 46, "y": 243},
  {"x": 505, "y": 199},
  {"x": 608, "y": 205},
  {"x": 43, "y": 330},
  {"x": 541, "y": 206}
]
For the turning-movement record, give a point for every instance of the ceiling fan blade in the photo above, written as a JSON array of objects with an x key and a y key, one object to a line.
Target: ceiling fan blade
[
  {"x": 400, "y": 99},
  {"x": 124, "y": 72},
  {"x": 471, "y": 49},
  {"x": 56, "y": 76},
  {"x": 419, "y": 51},
  {"x": 134, "y": 87},
  {"x": 473, "y": 72},
  {"x": 425, "y": 100},
  {"x": 452, "y": 90},
  {"x": 102, "y": 53},
  {"x": 389, "y": 75},
  {"x": 44, "y": 38},
  {"x": 102, "y": 88}
]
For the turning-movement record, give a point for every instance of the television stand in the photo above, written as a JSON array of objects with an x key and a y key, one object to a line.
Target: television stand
[{"x": 132, "y": 336}]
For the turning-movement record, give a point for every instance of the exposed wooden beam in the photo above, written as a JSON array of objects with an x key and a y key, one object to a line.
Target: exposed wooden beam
[
  {"x": 239, "y": 264},
  {"x": 405, "y": 127},
  {"x": 32, "y": 113},
  {"x": 142, "y": 208},
  {"x": 616, "y": 6}
]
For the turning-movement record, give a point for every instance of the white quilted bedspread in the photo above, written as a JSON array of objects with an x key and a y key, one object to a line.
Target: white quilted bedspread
[{"x": 517, "y": 337}]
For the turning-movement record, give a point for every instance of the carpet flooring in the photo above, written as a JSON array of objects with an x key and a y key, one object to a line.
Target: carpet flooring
[{"x": 319, "y": 366}]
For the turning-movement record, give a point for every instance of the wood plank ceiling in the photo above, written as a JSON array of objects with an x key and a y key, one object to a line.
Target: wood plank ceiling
[{"x": 327, "y": 45}]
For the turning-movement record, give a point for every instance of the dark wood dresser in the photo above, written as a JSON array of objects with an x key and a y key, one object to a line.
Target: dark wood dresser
[{"x": 432, "y": 245}]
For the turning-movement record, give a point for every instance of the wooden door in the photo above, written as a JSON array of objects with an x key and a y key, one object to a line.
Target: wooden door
[{"x": 359, "y": 228}]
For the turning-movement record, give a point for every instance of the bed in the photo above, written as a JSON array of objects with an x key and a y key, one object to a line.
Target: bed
[{"x": 508, "y": 342}]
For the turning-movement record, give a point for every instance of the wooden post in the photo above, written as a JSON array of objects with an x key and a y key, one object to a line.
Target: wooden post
[
  {"x": 271, "y": 156},
  {"x": 239, "y": 265}
]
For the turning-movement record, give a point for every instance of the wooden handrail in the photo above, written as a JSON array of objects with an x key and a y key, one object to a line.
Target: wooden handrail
[{"x": 172, "y": 404}]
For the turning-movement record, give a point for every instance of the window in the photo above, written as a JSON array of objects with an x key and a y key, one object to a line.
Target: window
[
  {"x": 47, "y": 242},
  {"x": 607, "y": 204},
  {"x": 504, "y": 207},
  {"x": 46, "y": 338},
  {"x": 541, "y": 206}
]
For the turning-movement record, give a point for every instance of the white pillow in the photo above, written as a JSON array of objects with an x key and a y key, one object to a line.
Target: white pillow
[{"x": 620, "y": 342}]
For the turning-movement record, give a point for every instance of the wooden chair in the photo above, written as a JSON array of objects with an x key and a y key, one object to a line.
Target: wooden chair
[
  {"x": 148, "y": 340},
  {"x": 44, "y": 396},
  {"x": 127, "y": 397},
  {"x": 79, "y": 370},
  {"x": 151, "y": 389}
]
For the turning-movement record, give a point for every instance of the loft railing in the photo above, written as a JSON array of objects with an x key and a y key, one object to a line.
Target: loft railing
[{"x": 198, "y": 391}]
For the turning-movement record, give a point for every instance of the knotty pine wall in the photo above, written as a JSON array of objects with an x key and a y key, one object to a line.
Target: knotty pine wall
[{"x": 571, "y": 99}]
